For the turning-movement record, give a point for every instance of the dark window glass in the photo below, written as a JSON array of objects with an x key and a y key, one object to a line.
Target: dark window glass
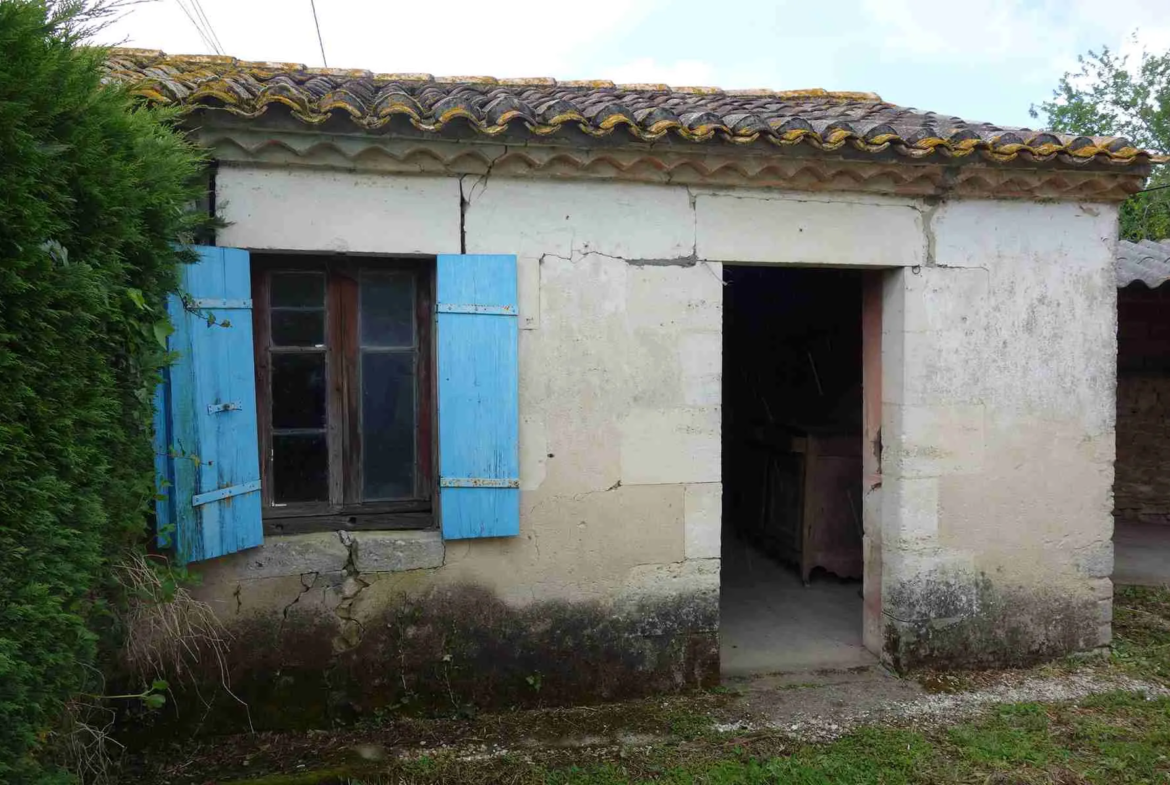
[
  {"x": 388, "y": 424},
  {"x": 298, "y": 290},
  {"x": 387, "y": 309},
  {"x": 298, "y": 327},
  {"x": 300, "y": 467},
  {"x": 298, "y": 390}
]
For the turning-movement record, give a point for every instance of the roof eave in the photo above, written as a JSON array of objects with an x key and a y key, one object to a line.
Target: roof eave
[{"x": 279, "y": 138}]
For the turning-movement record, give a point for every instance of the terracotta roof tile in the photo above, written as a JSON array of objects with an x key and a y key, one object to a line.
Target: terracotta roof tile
[{"x": 542, "y": 106}]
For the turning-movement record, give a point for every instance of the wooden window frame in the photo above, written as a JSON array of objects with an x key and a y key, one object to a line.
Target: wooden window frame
[{"x": 345, "y": 510}]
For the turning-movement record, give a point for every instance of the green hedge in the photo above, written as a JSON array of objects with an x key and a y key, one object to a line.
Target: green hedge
[{"x": 94, "y": 191}]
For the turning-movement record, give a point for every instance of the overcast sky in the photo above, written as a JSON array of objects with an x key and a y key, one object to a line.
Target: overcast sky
[{"x": 983, "y": 61}]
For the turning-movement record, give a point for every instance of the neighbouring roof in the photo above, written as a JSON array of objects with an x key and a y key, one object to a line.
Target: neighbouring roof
[
  {"x": 1147, "y": 261},
  {"x": 542, "y": 107}
]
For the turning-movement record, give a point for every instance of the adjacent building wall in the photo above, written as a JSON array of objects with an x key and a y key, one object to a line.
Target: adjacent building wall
[
  {"x": 997, "y": 433},
  {"x": 1142, "y": 487}
]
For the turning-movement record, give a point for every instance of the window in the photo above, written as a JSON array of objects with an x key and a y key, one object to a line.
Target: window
[{"x": 343, "y": 388}]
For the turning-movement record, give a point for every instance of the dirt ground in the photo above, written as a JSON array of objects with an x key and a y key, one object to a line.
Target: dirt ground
[
  {"x": 1100, "y": 719},
  {"x": 812, "y": 707}
]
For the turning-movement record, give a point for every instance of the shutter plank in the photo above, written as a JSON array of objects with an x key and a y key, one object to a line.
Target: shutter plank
[
  {"x": 212, "y": 397},
  {"x": 478, "y": 380}
]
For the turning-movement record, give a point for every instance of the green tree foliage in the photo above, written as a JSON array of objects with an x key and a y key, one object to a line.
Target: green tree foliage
[
  {"x": 1106, "y": 97},
  {"x": 94, "y": 191}
]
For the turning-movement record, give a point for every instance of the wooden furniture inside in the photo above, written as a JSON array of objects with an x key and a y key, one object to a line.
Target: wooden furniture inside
[{"x": 808, "y": 510}]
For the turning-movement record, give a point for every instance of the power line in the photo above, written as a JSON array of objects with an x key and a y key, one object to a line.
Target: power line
[
  {"x": 320, "y": 43},
  {"x": 198, "y": 28},
  {"x": 207, "y": 23}
]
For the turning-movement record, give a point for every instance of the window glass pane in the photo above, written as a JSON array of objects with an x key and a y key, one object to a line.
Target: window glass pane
[
  {"x": 299, "y": 327},
  {"x": 388, "y": 425},
  {"x": 387, "y": 309},
  {"x": 300, "y": 468},
  {"x": 297, "y": 290},
  {"x": 298, "y": 390}
]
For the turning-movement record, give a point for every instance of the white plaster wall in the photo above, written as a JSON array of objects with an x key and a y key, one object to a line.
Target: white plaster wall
[
  {"x": 620, "y": 374},
  {"x": 998, "y": 357},
  {"x": 998, "y": 404}
]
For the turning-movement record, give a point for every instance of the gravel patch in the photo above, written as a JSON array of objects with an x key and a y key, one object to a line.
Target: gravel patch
[{"x": 849, "y": 711}]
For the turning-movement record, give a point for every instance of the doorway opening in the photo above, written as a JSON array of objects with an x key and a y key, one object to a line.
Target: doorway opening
[{"x": 791, "y": 584}]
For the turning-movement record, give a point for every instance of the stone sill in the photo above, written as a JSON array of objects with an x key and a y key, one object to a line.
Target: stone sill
[{"x": 326, "y": 552}]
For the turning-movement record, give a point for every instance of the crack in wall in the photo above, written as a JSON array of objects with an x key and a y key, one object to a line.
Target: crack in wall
[
  {"x": 352, "y": 630},
  {"x": 574, "y": 256},
  {"x": 305, "y": 589},
  {"x": 927, "y": 213},
  {"x": 466, "y": 197}
]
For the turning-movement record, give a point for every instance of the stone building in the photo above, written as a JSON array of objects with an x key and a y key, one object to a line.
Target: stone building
[{"x": 571, "y": 389}]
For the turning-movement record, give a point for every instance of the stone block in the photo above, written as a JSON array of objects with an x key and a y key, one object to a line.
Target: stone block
[
  {"x": 533, "y": 452},
  {"x": 929, "y": 586},
  {"x": 675, "y": 299},
  {"x": 528, "y": 291},
  {"x": 701, "y": 357},
  {"x": 337, "y": 212},
  {"x": 1096, "y": 561},
  {"x": 773, "y": 228},
  {"x": 931, "y": 441},
  {"x": 911, "y": 511},
  {"x": 536, "y": 217},
  {"x": 681, "y": 445},
  {"x": 692, "y": 578},
  {"x": 282, "y": 555},
  {"x": 703, "y": 516},
  {"x": 397, "y": 551},
  {"x": 982, "y": 232}
]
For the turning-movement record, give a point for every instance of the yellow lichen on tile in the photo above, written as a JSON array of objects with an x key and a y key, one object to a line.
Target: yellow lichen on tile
[
  {"x": 596, "y": 84},
  {"x": 467, "y": 80},
  {"x": 640, "y": 87}
]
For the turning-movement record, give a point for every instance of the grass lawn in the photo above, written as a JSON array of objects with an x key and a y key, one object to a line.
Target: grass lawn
[{"x": 1119, "y": 737}]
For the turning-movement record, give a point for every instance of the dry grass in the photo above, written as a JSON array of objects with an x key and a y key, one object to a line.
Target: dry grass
[{"x": 169, "y": 636}]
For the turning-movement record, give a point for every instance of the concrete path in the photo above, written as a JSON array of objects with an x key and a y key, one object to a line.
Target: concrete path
[{"x": 771, "y": 623}]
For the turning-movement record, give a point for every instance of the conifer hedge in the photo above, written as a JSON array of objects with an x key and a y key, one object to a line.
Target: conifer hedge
[{"x": 95, "y": 190}]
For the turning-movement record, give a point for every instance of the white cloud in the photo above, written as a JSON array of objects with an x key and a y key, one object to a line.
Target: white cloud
[
  {"x": 1005, "y": 32},
  {"x": 991, "y": 32}
]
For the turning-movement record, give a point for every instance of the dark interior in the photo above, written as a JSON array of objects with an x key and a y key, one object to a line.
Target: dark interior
[{"x": 792, "y": 417}]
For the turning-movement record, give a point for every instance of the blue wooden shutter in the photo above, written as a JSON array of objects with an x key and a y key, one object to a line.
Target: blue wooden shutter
[
  {"x": 205, "y": 417},
  {"x": 478, "y": 373}
]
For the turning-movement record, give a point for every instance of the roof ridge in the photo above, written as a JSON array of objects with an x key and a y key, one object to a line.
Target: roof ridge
[{"x": 531, "y": 81}]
